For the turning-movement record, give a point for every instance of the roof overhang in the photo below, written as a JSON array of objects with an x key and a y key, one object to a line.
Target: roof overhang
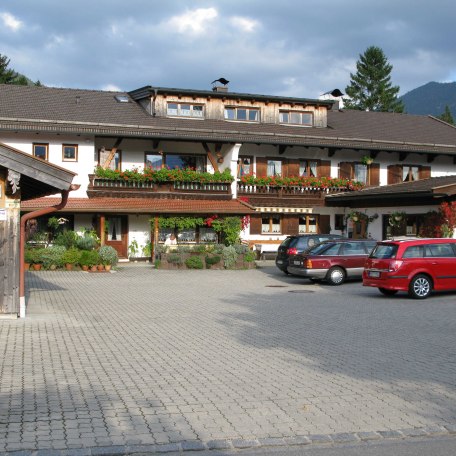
[{"x": 37, "y": 177}]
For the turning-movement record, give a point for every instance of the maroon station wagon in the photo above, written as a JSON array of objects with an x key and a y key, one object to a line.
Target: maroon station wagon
[
  {"x": 417, "y": 266},
  {"x": 333, "y": 261}
]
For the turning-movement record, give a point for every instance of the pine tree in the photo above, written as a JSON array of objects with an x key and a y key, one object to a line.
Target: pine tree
[
  {"x": 446, "y": 116},
  {"x": 9, "y": 76},
  {"x": 370, "y": 88}
]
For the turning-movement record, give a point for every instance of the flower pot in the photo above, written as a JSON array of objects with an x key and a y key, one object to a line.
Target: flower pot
[
  {"x": 85, "y": 267},
  {"x": 26, "y": 266},
  {"x": 108, "y": 267},
  {"x": 69, "y": 266},
  {"x": 93, "y": 269},
  {"x": 100, "y": 267},
  {"x": 37, "y": 267}
]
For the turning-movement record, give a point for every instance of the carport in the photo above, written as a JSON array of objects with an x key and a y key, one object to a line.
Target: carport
[{"x": 22, "y": 177}]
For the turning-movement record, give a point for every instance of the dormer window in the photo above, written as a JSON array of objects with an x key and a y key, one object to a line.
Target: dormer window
[
  {"x": 241, "y": 113},
  {"x": 185, "y": 110},
  {"x": 296, "y": 118}
]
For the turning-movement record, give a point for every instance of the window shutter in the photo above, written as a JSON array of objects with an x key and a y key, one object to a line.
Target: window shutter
[
  {"x": 255, "y": 224},
  {"x": 374, "y": 174},
  {"x": 261, "y": 166},
  {"x": 290, "y": 225},
  {"x": 324, "y": 226},
  {"x": 424, "y": 172},
  {"x": 324, "y": 170},
  {"x": 291, "y": 168},
  {"x": 345, "y": 170},
  {"x": 394, "y": 174}
]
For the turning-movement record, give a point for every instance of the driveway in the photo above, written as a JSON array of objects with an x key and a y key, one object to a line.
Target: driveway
[{"x": 181, "y": 360}]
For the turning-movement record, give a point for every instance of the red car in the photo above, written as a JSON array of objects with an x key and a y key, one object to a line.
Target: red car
[
  {"x": 417, "y": 266},
  {"x": 333, "y": 261}
]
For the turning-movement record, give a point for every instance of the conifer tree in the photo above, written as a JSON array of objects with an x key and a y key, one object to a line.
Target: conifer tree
[
  {"x": 446, "y": 116},
  {"x": 370, "y": 88}
]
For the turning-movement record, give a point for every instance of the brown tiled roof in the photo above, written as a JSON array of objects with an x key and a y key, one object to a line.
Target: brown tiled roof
[
  {"x": 406, "y": 193},
  {"x": 143, "y": 205},
  {"x": 45, "y": 109}
]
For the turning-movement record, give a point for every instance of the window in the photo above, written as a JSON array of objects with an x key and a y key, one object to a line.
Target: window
[
  {"x": 245, "y": 166},
  {"x": 410, "y": 173},
  {"x": 185, "y": 110},
  {"x": 308, "y": 168},
  {"x": 360, "y": 173},
  {"x": 339, "y": 222},
  {"x": 274, "y": 168},
  {"x": 296, "y": 118},
  {"x": 439, "y": 250},
  {"x": 153, "y": 160},
  {"x": 107, "y": 159},
  {"x": 69, "y": 152},
  {"x": 308, "y": 224},
  {"x": 181, "y": 161},
  {"x": 245, "y": 114},
  {"x": 41, "y": 151},
  {"x": 270, "y": 224}
]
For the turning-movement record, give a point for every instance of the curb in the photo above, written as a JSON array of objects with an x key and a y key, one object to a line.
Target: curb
[{"x": 240, "y": 444}]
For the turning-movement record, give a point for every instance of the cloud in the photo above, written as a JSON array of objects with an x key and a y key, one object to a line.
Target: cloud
[
  {"x": 243, "y": 23},
  {"x": 111, "y": 88},
  {"x": 194, "y": 21},
  {"x": 10, "y": 21}
]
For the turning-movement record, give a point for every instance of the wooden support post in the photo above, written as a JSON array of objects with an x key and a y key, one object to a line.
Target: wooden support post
[
  {"x": 102, "y": 229},
  {"x": 210, "y": 157},
  {"x": 112, "y": 154}
]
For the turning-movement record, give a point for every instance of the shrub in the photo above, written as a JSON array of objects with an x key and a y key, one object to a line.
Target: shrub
[
  {"x": 37, "y": 255},
  {"x": 211, "y": 260},
  {"x": 86, "y": 242},
  {"x": 200, "y": 248},
  {"x": 28, "y": 256},
  {"x": 53, "y": 256},
  {"x": 241, "y": 248},
  {"x": 108, "y": 255},
  {"x": 230, "y": 257},
  {"x": 175, "y": 258},
  {"x": 67, "y": 238},
  {"x": 71, "y": 256},
  {"x": 89, "y": 258},
  {"x": 249, "y": 257},
  {"x": 194, "y": 262}
]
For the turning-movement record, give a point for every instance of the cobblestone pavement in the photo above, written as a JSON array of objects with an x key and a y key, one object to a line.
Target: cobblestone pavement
[{"x": 186, "y": 360}]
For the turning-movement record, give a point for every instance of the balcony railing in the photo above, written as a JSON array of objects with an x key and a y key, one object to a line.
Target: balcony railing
[
  {"x": 147, "y": 189},
  {"x": 285, "y": 191}
]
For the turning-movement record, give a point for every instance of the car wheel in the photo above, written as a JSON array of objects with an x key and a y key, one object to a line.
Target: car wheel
[
  {"x": 387, "y": 292},
  {"x": 285, "y": 271},
  {"x": 420, "y": 287},
  {"x": 335, "y": 276}
]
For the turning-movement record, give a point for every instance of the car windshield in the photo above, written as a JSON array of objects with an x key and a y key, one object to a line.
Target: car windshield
[{"x": 384, "y": 251}]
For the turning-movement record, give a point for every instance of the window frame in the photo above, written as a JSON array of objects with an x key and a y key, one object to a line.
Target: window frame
[
  {"x": 271, "y": 216},
  {"x": 202, "y": 156},
  {"x": 289, "y": 113},
  {"x": 46, "y": 146},
  {"x": 242, "y": 108},
  {"x": 410, "y": 172},
  {"x": 119, "y": 161},
  {"x": 75, "y": 158},
  {"x": 179, "y": 110},
  {"x": 157, "y": 154},
  {"x": 241, "y": 163},
  {"x": 274, "y": 159},
  {"x": 308, "y": 162},
  {"x": 366, "y": 172}
]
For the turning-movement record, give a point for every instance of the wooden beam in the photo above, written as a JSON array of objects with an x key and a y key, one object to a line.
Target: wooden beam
[
  {"x": 282, "y": 149},
  {"x": 112, "y": 153},
  {"x": 210, "y": 157},
  {"x": 430, "y": 158},
  {"x": 374, "y": 153},
  {"x": 155, "y": 143},
  {"x": 402, "y": 156},
  {"x": 331, "y": 151}
]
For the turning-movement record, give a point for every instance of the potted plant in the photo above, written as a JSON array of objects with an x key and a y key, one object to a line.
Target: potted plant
[
  {"x": 71, "y": 257},
  {"x": 53, "y": 257},
  {"x": 84, "y": 260},
  {"x": 37, "y": 259},
  {"x": 367, "y": 160},
  {"x": 108, "y": 256},
  {"x": 28, "y": 258}
]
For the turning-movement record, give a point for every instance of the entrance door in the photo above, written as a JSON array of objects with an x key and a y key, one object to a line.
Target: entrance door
[{"x": 117, "y": 234}]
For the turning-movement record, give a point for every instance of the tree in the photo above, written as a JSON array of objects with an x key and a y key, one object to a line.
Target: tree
[
  {"x": 370, "y": 88},
  {"x": 9, "y": 76},
  {"x": 446, "y": 116}
]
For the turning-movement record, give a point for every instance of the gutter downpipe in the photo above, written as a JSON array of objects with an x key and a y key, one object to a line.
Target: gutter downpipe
[{"x": 24, "y": 219}]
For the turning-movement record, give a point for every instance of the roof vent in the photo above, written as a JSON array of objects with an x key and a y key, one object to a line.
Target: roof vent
[{"x": 122, "y": 98}]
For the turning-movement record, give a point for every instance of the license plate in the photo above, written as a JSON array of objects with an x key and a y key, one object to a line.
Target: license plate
[
  {"x": 297, "y": 263},
  {"x": 374, "y": 274},
  {"x": 279, "y": 262}
]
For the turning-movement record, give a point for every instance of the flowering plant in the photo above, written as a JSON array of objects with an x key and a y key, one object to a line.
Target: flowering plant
[{"x": 301, "y": 181}]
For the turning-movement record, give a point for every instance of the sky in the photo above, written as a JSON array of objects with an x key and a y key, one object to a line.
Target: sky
[{"x": 298, "y": 48}]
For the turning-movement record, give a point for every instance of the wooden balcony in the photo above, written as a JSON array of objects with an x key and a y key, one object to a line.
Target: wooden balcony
[{"x": 117, "y": 188}]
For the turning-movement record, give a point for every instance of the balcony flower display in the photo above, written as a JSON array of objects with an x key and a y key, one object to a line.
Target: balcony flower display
[
  {"x": 301, "y": 181},
  {"x": 165, "y": 175}
]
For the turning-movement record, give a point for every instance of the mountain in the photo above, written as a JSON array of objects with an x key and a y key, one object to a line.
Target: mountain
[{"x": 431, "y": 98}]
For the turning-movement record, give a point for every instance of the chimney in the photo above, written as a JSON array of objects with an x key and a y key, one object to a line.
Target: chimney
[
  {"x": 220, "y": 85},
  {"x": 217, "y": 88}
]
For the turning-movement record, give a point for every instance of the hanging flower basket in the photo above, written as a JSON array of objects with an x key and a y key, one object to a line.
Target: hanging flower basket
[{"x": 396, "y": 219}]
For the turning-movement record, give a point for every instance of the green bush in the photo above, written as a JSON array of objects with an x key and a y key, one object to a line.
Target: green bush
[
  {"x": 28, "y": 256},
  {"x": 89, "y": 258},
  {"x": 86, "y": 242},
  {"x": 53, "y": 256},
  {"x": 210, "y": 260},
  {"x": 71, "y": 256},
  {"x": 175, "y": 258},
  {"x": 241, "y": 248},
  {"x": 230, "y": 257},
  {"x": 67, "y": 238},
  {"x": 194, "y": 262},
  {"x": 108, "y": 255},
  {"x": 200, "y": 248},
  {"x": 249, "y": 257},
  {"x": 37, "y": 255}
]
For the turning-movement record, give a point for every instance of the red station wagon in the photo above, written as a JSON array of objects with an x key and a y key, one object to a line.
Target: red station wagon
[
  {"x": 417, "y": 266},
  {"x": 333, "y": 261}
]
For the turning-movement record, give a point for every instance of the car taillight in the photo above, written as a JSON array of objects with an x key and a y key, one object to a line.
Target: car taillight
[
  {"x": 292, "y": 251},
  {"x": 309, "y": 264},
  {"x": 395, "y": 265}
]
